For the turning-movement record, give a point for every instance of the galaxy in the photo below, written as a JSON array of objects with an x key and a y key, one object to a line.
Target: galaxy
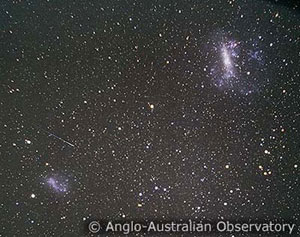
[
  {"x": 143, "y": 111},
  {"x": 237, "y": 66},
  {"x": 57, "y": 185}
]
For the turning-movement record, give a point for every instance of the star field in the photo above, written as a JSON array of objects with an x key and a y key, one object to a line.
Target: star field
[{"x": 147, "y": 110}]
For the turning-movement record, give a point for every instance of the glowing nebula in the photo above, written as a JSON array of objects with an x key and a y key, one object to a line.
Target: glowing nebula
[
  {"x": 57, "y": 185},
  {"x": 235, "y": 65}
]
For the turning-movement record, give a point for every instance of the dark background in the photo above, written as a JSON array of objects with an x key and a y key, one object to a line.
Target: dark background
[{"x": 86, "y": 73}]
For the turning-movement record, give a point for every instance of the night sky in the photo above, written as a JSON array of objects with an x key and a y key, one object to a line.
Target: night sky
[{"x": 146, "y": 110}]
